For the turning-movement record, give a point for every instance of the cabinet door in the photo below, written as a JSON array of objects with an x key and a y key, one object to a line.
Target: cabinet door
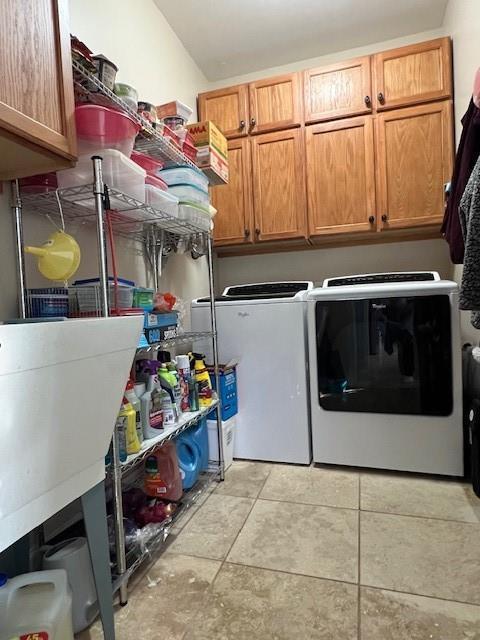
[
  {"x": 278, "y": 185},
  {"x": 413, "y": 74},
  {"x": 227, "y": 108},
  {"x": 339, "y": 90},
  {"x": 234, "y": 221},
  {"x": 36, "y": 91},
  {"x": 275, "y": 103},
  {"x": 414, "y": 160},
  {"x": 341, "y": 176}
]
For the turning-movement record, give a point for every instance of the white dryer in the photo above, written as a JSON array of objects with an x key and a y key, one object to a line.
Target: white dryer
[
  {"x": 385, "y": 372},
  {"x": 264, "y": 325}
]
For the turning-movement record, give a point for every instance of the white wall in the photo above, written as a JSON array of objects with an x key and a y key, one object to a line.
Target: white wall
[
  {"x": 462, "y": 22},
  {"x": 319, "y": 263},
  {"x": 150, "y": 57}
]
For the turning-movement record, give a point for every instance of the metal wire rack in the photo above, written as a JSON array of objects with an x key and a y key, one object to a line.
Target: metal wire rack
[
  {"x": 184, "y": 338},
  {"x": 186, "y": 421},
  {"x": 88, "y": 88},
  {"x": 130, "y": 216}
]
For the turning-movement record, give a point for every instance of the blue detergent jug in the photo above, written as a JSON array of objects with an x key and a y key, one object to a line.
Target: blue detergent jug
[
  {"x": 200, "y": 435},
  {"x": 189, "y": 458}
]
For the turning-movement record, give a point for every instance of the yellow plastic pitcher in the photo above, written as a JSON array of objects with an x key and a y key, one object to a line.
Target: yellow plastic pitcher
[{"x": 59, "y": 257}]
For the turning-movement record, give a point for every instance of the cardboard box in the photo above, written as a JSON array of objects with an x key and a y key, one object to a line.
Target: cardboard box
[
  {"x": 213, "y": 165},
  {"x": 207, "y": 134}
]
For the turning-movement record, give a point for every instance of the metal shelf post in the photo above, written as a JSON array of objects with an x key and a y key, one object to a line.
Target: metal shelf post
[
  {"x": 17, "y": 216},
  {"x": 213, "y": 320}
]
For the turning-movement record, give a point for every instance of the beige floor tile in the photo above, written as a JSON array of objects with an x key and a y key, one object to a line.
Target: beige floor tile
[
  {"x": 415, "y": 496},
  {"x": 422, "y": 556},
  {"x": 212, "y": 530},
  {"x": 182, "y": 520},
  {"x": 386, "y": 615},
  {"x": 311, "y": 540},
  {"x": 244, "y": 479},
  {"x": 255, "y": 604},
  {"x": 312, "y": 485},
  {"x": 165, "y": 602}
]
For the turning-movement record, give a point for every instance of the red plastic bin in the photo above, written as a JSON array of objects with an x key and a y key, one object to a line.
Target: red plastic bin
[
  {"x": 155, "y": 181},
  {"x": 103, "y": 128},
  {"x": 151, "y": 165}
]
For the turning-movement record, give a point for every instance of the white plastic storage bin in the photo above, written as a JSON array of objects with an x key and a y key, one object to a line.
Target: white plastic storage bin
[
  {"x": 195, "y": 215},
  {"x": 185, "y": 175},
  {"x": 162, "y": 200},
  {"x": 189, "y": 193},
  {"x": 88, "y": 296},
  {"x": 36, "y": 605},
  {"x": 119, "y": 172},
  {"x": 228, "y": 430}
]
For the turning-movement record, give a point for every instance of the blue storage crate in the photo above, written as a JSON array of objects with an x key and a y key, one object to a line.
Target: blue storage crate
[
  {"x": 228, "y": 390},
  {"x": 47, "y": 302}
]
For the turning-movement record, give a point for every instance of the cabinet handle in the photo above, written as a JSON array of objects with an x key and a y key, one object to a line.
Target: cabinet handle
[
  {"x": 368, "y": 101},
  {"x": 371, "y": 219},
  {"x": 242, "y": 125},
  {"x": 253, "y": 122},
  {"x": 247, "y": 233},
  {"x": 257, "y": 232},
  {"x": 381, "y": 98},
  {"x": 384, "y": 217}
]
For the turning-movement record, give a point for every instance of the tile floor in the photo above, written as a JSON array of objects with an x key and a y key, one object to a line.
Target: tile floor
[{"x": 292, "y": 553}]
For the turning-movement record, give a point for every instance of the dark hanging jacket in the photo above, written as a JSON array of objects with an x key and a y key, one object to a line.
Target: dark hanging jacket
[{"x": 467, "y": 155}]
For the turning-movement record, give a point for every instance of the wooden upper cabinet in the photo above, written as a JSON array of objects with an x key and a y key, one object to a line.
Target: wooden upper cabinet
[
  {"x": 414, "y": 160},
  {"x": 413, "y": 74},
  {"x": 233, "y": 201},
  {"x": 37, "y": 128},
  {"x": 338, "y": 90},
  {"x": 278, "y": 185},
  {"x": 227, "y": 108},
  {"x": 341, "y": 176},
  {"x": 275, "y": 103}
]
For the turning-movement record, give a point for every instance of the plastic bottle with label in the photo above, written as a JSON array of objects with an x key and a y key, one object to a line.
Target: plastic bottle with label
[
  {"x": 183, "y": 368},
  {"x": 151, "y": 401},
  {"x": 134, "y": 400},
  {"x": 121, "y": 431},
  {"x": 162, "y": 475},
  {"x": 132, "y": 442},
  {"x": 202, "y": 378}
]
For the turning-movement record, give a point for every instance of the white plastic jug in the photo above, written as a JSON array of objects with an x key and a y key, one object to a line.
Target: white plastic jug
[{"x": 36, "y": 606}]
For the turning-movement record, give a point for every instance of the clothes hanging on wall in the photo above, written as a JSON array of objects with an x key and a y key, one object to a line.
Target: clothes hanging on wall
[
  {"x": 467, "y": 155},
  {"x": 469, "y": 214}
]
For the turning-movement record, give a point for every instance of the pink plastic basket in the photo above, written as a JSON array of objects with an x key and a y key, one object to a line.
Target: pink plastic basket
[{"x": 103, "y": 128}]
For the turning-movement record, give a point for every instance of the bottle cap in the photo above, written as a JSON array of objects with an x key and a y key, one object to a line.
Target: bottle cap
[{"x": 183, "y": 362}]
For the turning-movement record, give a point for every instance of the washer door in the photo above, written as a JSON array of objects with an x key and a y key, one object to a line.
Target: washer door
[{"x": 385, "y": 355}]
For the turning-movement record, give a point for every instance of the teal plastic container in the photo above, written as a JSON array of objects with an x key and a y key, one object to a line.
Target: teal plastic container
[
  {"x": 199, "y": 434},
  {"x": 189, "y": 459}
]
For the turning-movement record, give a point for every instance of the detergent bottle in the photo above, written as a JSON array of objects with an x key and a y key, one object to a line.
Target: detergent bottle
[
  {"x": 134, "y": 400},
  {"x": 132, "y": 441},
  {"x": 162, "y": 475},
  {"x": 183, "y": 368},
  {"x": 151, "y": 402},
  {"x": 167, "y": 381},
  {"x": 168, "y": 409},
  {"x": 202, "y": 378},
  {"x": 177, "y": 390}
]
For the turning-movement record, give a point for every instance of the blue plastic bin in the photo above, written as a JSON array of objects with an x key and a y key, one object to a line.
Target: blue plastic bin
[{"x": 200, "y": 435}]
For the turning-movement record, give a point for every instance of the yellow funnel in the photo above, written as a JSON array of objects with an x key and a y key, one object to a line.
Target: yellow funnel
[{"x": 58, "y": 257}]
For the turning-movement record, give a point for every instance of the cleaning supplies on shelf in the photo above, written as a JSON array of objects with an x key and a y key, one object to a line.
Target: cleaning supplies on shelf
[
  {"x": 177, "y": 390},
  {"x": 36, "y": 605},
  {"x": 202, "y": 378},
  {"x": 168, "y": 409},
  {"x": 183, "y": 368},
  {"x": 121, "y": 430},
  {"x": 132, "y": 441},
  {"x": 169, "y": 382},
  {"x": 151, "y": 407},
  {"x": 134, "y": 400},
  {"x": 189, "y": 459},
  {"x": 58, "y": 257},
  {"x": 162, "y": 475}
]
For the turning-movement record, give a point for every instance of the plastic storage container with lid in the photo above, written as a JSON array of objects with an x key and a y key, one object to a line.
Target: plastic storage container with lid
[
  {"x": 162, "y": 200},
  {"x": 103, "y": 128},
  {"x": 36, "y": 605},
  {"x": 151, "y": 165},
  {"x": 185, "y": 175},
  {"x": 88, "y": 294},
  {"x": 119, "y": 172},
  {"x": 189, "y": 193},
  {"x": 156, "y": 182},
  {"x": 198, "y": 216}
]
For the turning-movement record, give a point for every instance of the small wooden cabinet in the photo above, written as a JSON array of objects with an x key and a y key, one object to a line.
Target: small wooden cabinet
[
  {"x": 234, "y": 221},
  {"x": 227, "y": 108},
  {"x": 37, "y": 128},
  {"x": 338, "y": 90},
  {"x": 341, "y": 176},
  {"x": 410, "y": 75},
  {"x": 275, "y": 103},
  {"x": 278, "y": 185},
  {"x": 414, "y": 153}
]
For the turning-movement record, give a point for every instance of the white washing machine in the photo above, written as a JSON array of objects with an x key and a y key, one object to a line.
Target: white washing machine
[
  {"x": 385, "y": 373},
  {"x": 264, "y": 325}
]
